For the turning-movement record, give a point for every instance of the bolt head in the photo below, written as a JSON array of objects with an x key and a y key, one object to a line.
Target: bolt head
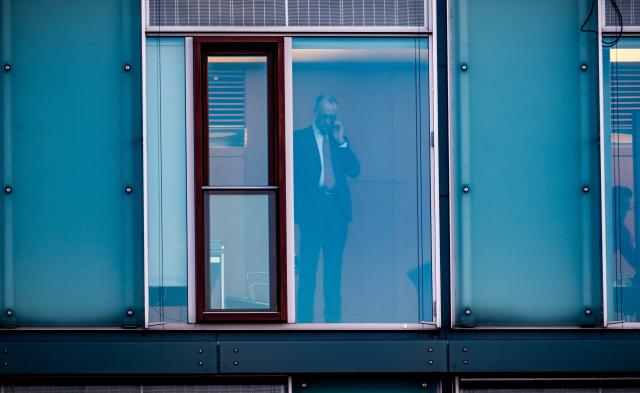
[
  {"x": 424, "y": 385},
  {"x": 235, "y": 363},
  {"x": 467, "y": 311},
  {"x": 583, "y": 67},
  {"x": 129, "y": 313},
  {"x": 128, "y": 189},
  {"x": 429, "y": 349},
  {"x": 430, "y": 362},
  {"x": 465, "y": 362},
  {"x": 5, "y": 364},
  {"x": 200, "y": 350},
  {"x": 465, "y": 349},
  {"x": 200, "y": 363},
  {"x": 7, "y": 67},
  {"x": 464, "y": 67},
  {"x": 585, "y": 189},
  {"x": 236, "y": 350},
  {"x": 587, "y": 312},
  {"x": 304, "y": 385},
  {"x": 127, "y": 67},
  {"x": 8, "y": 190},
  {"x": 465, "y": 189},
  {"x": 9, "y": 313}
]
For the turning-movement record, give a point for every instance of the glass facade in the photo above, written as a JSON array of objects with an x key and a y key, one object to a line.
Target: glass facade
[
  {"x": 240, "y": 249},
  {"x": 167, "y": 180},
  {"x": 362, "y": 180},
  {"x": 238, "y": 120},
  {"x": 525, "y": 167},
  {"x": 622, "y": 122}
]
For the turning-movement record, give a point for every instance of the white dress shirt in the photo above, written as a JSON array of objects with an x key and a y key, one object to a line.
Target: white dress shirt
[{"x": 319, "y": 140}]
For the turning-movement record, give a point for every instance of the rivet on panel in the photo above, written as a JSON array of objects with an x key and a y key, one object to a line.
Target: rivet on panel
[
  {"x": 8, "y": 190},
  {"x": 465, "y": 349},
  {"x": 429, "y": 349},
  {"x": 424, "y": 385},
  {"x": 465, "y": 189},
  {"x": 583, "y": 67},
  {"x": 129, "y": 313},
  {"x": 235, "y": 363},
  {"x": 430, "y": 362},
  {"x": 467, "y": 311},
  {"x": 464, "y": 67},
  {"x": 128, "y": 189},
  {"x": 127, "y": 67},
  {"x": 200, "y": 363},
  {"x": 587, "y": 312},
  {"x": 465, "y": 362},
  {"x": 200, "y": 350},
  {"x": 5, "y": 364},
  {"x": 236, "y": 350},
  {"x": 303, "y": 385},
  {"x": 6, "y": 67},
  {"x": 9, "y": 312},
  {"x": 585, "y": 188},
  {"x": 5, "y": 351}
]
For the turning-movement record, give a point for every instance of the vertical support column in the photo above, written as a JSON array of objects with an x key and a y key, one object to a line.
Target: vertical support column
[
  {"x": 586, "y": 177},
  {"x": 191, "y": 212},
  {"x": 7, "y": 163}
]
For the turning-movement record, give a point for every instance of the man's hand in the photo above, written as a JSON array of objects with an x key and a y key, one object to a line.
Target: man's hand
[{"x": 338, "y": 132}]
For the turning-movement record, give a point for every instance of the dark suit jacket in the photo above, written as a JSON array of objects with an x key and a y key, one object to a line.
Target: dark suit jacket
[{"x": 306, "y": 170}]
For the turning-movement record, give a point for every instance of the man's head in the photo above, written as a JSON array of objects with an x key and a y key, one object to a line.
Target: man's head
[{"x": 325, "y": 111}]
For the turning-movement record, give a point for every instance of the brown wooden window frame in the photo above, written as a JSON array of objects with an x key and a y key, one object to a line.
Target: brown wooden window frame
[{"x": 273, "y": 48}]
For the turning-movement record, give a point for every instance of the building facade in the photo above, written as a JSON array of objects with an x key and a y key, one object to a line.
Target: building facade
[{"x": 322, "y": 196}]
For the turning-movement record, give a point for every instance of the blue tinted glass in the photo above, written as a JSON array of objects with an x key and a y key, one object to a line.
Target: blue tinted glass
[
  {"x": 238, "y": 121},
  {"x": 167, "y": 182},
  {"x": 240, "y": 248},
  {"x": 71, "y": 145},
  {"x": 363, "y": 221},
  {"x": 621, "y": 70},
  {"x": 524, "y": 141}
]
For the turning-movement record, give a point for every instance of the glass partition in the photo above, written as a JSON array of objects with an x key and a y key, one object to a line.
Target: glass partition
[
  {"x": 167, "y": 180},
  {"x": 525, "y": 169},
  {"x": 362, "y": 180},
  {"x": 622, "y": 126}
]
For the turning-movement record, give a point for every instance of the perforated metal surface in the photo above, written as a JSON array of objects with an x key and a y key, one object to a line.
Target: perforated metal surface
[
  {"x": 356, "y": 13},
  {"x": 301, "y": 13},
  {"x": 145, "y": 388},
  {"x": 630, "y": 10},
  {"x": 217, "y": 13}
]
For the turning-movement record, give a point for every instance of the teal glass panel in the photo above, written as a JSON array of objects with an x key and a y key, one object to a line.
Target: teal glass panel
[
  {"x": 622, "y": 123},
  {"x": 240, "y": 250},
  {"x": 368, "y": 385},
  {"x": 238, "y": 120},
  {"x": 167, "y": 179},
  {"x": 525, "y": 171},
  {"x": 363, "y": 248},
  {"x": 72, "y": 236}
]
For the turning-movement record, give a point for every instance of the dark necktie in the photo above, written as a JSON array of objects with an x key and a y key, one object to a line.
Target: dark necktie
[{"x": 329, "y": 179}]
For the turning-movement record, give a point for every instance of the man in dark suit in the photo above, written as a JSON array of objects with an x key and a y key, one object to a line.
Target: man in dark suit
[{"x": 322, "y": 161}]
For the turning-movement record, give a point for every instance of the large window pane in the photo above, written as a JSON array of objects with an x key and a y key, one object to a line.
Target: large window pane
[
  {"x": 525, "y": 168},
  {"x": 240, "y": 247},
  {"x": 238, "y": 121},
  {"x": 622, "y": 114},
  {"x": 361, "y": 180}
]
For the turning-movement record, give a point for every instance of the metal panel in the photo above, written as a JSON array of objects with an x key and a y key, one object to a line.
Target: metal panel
[
  {"x": 107, "y": 357},
  {"x": 332, "y": 356},
  {"x": 544, "y": 356}
]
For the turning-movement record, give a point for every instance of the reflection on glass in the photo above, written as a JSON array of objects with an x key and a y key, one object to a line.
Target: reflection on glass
[
  {"x": 239, "y": 248},
  {"x": 624, "y": 125},
  {"x": 238, "y": 120},
  {"x": 361, "y": 180}
]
